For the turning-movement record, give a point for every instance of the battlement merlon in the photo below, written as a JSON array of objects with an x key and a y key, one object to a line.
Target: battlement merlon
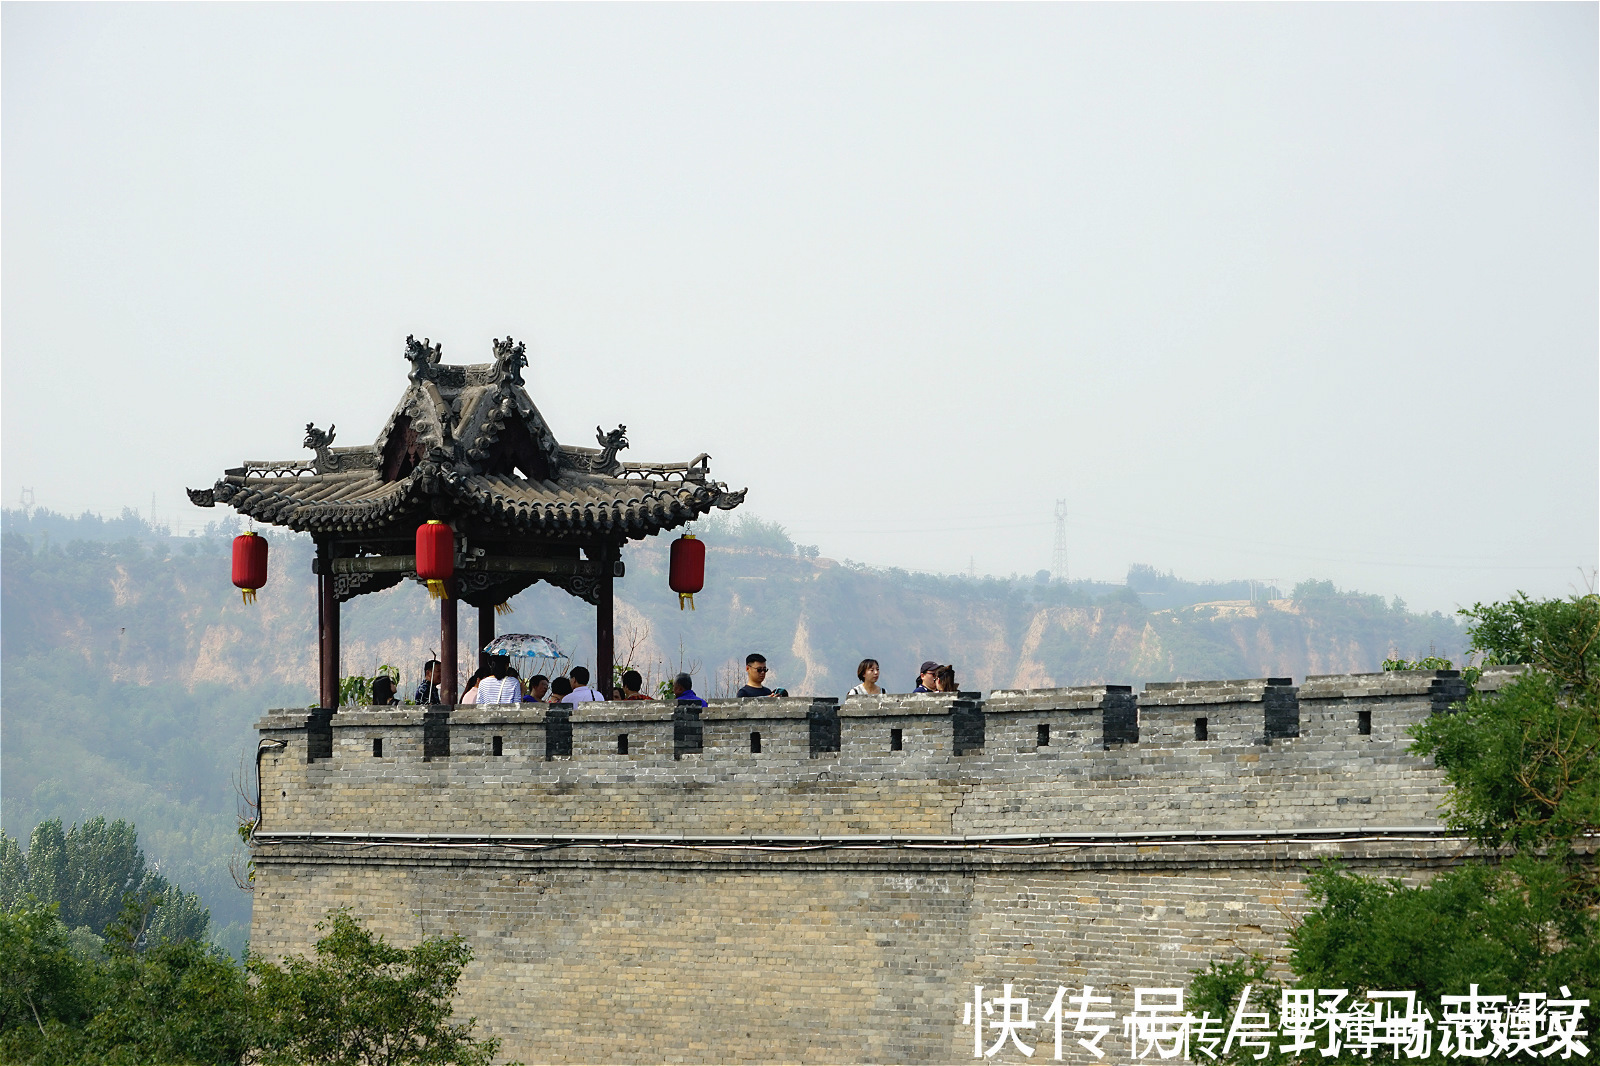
[{"x": 1085, "y": 759}]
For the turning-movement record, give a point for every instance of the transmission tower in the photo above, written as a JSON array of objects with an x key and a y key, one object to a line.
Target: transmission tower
[{"x": 1058, "y": 565}]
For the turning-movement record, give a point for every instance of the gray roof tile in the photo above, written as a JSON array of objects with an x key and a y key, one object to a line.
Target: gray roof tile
[{"x": 467, "y": 441}]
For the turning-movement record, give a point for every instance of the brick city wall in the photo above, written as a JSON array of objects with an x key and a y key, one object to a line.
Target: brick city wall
[{"x": 835, "y": 895}]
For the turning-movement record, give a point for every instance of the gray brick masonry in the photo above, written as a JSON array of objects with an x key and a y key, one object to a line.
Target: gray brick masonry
[{"x": 808, "y": 880}]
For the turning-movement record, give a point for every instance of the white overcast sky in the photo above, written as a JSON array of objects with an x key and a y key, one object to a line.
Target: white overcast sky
[{"x": 1276, "y": 291}]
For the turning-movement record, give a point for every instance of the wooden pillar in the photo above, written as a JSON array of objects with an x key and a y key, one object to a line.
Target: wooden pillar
[
  {"x": 604, "y": 639},
  {"x": 327, "y": 630},
  {"x": 447, "y": 649},
  {"x": 485, "y": 632}
]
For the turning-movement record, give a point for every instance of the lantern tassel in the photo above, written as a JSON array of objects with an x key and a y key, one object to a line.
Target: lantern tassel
[
  {"x": 437, "y": 591},
  {"x": 249, "y": 595},
  {"x": 502, "y": 608},
  {"x": 682, "y": 596}
]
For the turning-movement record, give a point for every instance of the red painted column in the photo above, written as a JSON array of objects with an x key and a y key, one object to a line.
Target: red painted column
[
  {"x": 604, "y": 623},
  {"x": 447, "y": 648},
  {"x": 327, "y": 631}
]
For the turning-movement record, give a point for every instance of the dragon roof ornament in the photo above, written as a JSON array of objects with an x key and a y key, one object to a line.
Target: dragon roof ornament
[{"x": 468, "y": 443}]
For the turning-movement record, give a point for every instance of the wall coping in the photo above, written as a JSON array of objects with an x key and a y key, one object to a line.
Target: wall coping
[
  {"x": 766, "y": 708},
  {"x": 1386, "y": 683},
  {"x": 1074, "y": 698},
  {"x": 908, "y": 705},
  {"x": 1186, "y": 693}
]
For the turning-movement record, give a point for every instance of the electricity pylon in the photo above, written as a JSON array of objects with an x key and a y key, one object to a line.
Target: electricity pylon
[{"x": 1058, "y": 565}]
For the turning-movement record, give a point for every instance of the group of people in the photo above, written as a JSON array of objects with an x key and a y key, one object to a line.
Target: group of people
[
  {"x": 933, "y": 677},
  {"x": 497, "y": 682}
]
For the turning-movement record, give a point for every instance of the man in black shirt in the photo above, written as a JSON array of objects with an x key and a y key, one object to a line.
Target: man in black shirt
[
  {"x": 428, "y": 689},
  {"x": 755, "y": 672}
]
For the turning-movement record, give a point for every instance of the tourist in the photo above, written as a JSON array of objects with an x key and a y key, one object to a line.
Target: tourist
[
  {"x": 428, "y": 687},
  {"x": 631, "y": 684},
  {"x": 867, "y": 674},
  {"x": 383, "y": 691},
  {"x": 755, "y": 672},
  {"x": 537, "y": 689},
  {"x": 470, "y": 696},
  {"x": 945, "y": 679},
  {"x": 560, "y": 688},
  {"x": 927, "y": 677},
  {"x": 582, "y": 692},
  {"x": 499, "y": 687},
  {"x": 683, "y": 690}
]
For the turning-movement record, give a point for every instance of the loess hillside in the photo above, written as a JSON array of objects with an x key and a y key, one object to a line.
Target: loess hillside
[{"x": 132, "y": 672}]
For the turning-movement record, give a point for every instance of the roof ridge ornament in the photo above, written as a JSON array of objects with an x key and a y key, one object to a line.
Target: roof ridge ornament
[
  {"x": 321, "y": 443},
  {"x": 510, "y": 357},
  {"x": 468, "y": 444},
  {"x": 610, "y": 444},
  {"x": 424, "y": 356}
]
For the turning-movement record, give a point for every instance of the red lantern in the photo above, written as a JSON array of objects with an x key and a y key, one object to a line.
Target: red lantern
[
  {"x": 249, "y": 564},
  {"x": 436, "y": 556},
  {"x": 687, "y": 572}
]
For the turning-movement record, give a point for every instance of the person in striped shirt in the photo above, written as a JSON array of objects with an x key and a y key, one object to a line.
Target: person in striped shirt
[{"x": 499, "y": 686}]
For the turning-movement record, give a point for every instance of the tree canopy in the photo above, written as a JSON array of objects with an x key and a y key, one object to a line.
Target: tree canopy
[
  {"x": 89, "y": 872},
  {"x": 360, "y": 1002},
  {"x": 1521, "y": 762},
  {"x": 1523, "y": 916}
]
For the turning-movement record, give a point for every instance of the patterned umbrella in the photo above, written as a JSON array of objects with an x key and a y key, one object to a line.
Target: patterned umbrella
[{"x": 528, "y": 645}]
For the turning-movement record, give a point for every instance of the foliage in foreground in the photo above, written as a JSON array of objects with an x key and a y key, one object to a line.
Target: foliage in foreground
[
  {"x": 1511, "y": 928},
  {"x": 1521, "y": 766},
  {"x": 360, "y": 1002},
  {"x": 174, "y": 1001},
  {"x": 364, "y": 1001},
  {"x": 1521, "y": 762},
  {"x": 89, "y": 872}
]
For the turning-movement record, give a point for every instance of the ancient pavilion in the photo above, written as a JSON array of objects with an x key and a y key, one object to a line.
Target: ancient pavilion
[{"x": 466, "y": 445}]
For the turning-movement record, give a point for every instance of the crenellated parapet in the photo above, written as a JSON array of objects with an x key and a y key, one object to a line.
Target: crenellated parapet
[
  {"x": 642, "y": 859},
  {"x": 1330, "y": 753}
]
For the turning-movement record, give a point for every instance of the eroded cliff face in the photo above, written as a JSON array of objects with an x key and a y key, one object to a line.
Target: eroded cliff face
[
  {"x": 144, "y": 615},
  {"x": 152, "y": 669}
]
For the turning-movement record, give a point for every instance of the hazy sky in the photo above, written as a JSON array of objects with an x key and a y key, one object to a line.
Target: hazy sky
[{"x": 1276, "y": 291}]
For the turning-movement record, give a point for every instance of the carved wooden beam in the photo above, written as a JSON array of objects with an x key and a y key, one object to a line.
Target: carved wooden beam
[{"x": 494, "y": 564}]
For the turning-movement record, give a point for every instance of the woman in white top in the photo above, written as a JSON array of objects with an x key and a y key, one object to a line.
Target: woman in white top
[
  {"x": 498, "y": 687},
  {"x": 867, "y": 674},
  {"x": 470, "y": 696}
]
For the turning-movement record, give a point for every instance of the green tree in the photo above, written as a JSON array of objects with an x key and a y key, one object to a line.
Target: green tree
[
  {"x": 47, "y": 992},
  {"x": 1521, "y": 762},
  {"x": 362, "y": 1002},
  {"x": 1217, "y": 990},
  {"x": 89, "y": 871},
  {"x": 177, "y": 1001},
  {"x": 1521, "y": 765},
  {"x": 1509, "y": 928}
]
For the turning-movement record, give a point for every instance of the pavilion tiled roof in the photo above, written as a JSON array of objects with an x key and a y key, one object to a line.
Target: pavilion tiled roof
[{"x": 467, "y": 441}]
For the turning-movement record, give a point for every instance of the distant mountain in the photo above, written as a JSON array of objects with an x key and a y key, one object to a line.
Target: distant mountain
[{"x": 132, "y": 671}]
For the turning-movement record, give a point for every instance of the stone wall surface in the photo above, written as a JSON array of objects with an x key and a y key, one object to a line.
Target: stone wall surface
[
  {"x": 1329, "y": 774},
  {"x": 605, "y": 955},
  {"x": 680, "y": 902}
]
